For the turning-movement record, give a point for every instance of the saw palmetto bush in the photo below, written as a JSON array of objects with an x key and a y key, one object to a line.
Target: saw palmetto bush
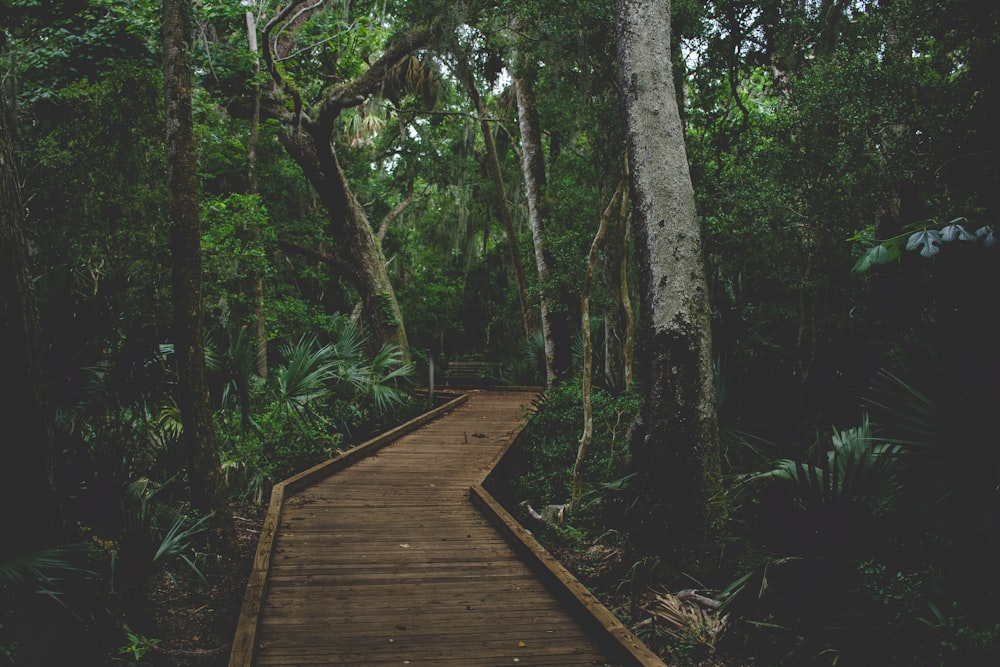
[
  {"x": 941, "y": 412},
  {"x": 319, "y": 396},
  {"x": 856, "y": 474},
  {"x": 890, "y": 526}
]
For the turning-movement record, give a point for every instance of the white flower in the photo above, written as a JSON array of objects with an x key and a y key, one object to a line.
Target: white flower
[{"x": 928, "y": 238}]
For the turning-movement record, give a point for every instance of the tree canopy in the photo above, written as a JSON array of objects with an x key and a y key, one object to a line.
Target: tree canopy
[{"x": 801, "y": 288}]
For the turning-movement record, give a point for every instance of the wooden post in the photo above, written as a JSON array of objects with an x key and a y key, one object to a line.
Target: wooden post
[{"x": 430, "y": 371}]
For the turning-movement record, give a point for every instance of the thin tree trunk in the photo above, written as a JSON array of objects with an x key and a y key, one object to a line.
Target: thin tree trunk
[
  {"x": 588, "y": 348},
  {"x": 626, "y": 298},
  {"x": 205, "y": 479},
  {"x": 506, "y": 219},
  {"x": 616, "y": 331},
  {"x": 555, "y": 327},
  {"x": 256, "y": 279},
  {"x": 31, "y": 517},
  {"x": 675, "y": 447}
]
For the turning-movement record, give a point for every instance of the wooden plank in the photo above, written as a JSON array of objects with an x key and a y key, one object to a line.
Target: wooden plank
[
  {"x": 242, "y": 652},
  {"x": 588, "y": 608},
  {"x": 391, "y": 549},
  {"x": 245, "y": 639}
]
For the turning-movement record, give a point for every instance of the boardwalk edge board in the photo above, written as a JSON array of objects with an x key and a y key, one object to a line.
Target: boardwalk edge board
[
  {"x": 585, "y": 606},
  {"x": 245, "y": 638}
]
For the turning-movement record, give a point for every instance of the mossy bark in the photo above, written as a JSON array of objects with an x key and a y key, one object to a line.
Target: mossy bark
[
  {"x": 32, "y": 519},
  {"x": 357, "y": 255},
  {"x": 306, "y": 132},
  {"x": 675, "y": 447},
  {"x": 207, "y": 485},
  {"x": 554, "y": 321}
]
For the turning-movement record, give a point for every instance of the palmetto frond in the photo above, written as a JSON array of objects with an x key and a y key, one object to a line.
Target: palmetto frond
[
  {"x": 856, "y": 471},
  {"x": 303, "y": 377}
]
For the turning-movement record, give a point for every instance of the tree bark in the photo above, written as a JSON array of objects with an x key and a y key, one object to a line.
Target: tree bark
[
  {"x": 555, "y": 325},
  {"x": 506, "y": 219},
  {"x": 31, "y": 518},
  {"x": 358, "y": 249},
  {"x": 617, "y": 310},
  {"x": 256, "y": 278},
  {"x": 675, "y": 447},
  {"x": 308, "y": 140},
  {"x": 205, "y": 479}
]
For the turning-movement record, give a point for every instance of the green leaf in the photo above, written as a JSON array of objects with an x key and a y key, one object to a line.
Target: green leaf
[{"x": 880, "y": 254}]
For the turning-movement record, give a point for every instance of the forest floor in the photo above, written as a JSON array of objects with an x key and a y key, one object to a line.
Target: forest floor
[
  {"x": 600, "y": 567},
  {"x": 195, "y": 624}
]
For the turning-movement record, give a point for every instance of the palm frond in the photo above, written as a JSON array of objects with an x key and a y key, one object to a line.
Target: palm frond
[
  {"x": 856, "y": 470},
  {"x": 45, "y": 565},
  {"x": 302, "y": 378}
]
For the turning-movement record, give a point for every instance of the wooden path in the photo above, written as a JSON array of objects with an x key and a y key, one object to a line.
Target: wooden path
[{"x": 388, "y": 563}]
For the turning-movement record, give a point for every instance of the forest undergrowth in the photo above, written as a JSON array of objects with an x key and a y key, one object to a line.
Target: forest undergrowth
[{"x": 830, "y": 557}]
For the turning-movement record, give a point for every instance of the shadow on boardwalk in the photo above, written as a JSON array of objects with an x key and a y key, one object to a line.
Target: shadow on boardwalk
[{"x": 387, "y": 562}]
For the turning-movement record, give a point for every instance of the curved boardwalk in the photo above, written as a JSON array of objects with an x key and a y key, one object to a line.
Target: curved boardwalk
[{"x": 387, "y": 562}]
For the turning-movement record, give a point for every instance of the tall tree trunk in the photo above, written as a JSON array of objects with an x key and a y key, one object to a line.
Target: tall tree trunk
[
  {"x": 256, "y": 278},
  {"x": 675, "y": 447},
  {"x": 555, "y": 324},
  {"x": 506, "y": 219},
  {"x": 31, "y": 518},
  {"x": 205, "y": 479}
]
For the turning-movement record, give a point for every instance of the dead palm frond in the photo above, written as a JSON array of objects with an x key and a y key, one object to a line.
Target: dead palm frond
[{"x": 688, "y": 617}]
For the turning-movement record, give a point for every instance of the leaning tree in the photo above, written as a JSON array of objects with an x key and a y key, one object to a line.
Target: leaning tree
[{"x": 307, "y": 122}]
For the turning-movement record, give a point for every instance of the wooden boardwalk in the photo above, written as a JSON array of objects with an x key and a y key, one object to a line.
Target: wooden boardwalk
[{"x": 388, "y": 563}]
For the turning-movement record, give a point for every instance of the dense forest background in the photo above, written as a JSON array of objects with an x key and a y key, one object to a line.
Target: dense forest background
[{"x": 382, "y": 183}]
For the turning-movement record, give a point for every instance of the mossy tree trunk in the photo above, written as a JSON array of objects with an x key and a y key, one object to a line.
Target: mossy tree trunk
[
  {"x": 675, "y": 447},
  {"x": 31, "y": 514},
  {"x": 306, "y": 132},
  {"x": 207, "y": 486},
  {"x": 255, "y": 279}
]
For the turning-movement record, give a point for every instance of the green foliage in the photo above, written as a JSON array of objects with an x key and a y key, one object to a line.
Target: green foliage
[
  {"x": 317, "y": 397},
  {"x": 51, "y": 575},
  {"x": 528, "y": 367},
  {"x": 235, "y": 236},
  {"x": 82, "y": 41},
  {"x": 549, "y": 443},
  {"x": 43, "y": 569},
  {"x": 155, "y": 535},
  {"x": 856, "y": 473},
  {"x": 925, "y": 237},
  {"x": 136, "y": 648},
  {"x": 884, "y": 517}
]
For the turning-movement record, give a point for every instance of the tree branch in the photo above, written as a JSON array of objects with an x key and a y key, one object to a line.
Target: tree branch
[
  {"x": 395, "y": 213},
  {"x": 352, "y": 93},
  {"x": 319, "y": 255}
]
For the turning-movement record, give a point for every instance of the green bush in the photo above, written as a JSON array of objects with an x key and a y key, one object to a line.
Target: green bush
[{"x": 547, "y": 446}]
